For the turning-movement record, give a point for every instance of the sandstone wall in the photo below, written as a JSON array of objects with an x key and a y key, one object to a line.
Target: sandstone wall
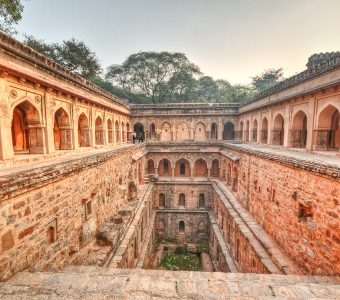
[
  {"x": 298, "y": 208},
  {"x": 47, "y": 214}
]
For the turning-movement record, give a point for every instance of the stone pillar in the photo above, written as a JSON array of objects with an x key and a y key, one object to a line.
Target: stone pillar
[
  {"x": 106, "y": 131},
  {"x": 6, "y": 143},
  {"x": 173, "y": 173},
  {"x": 92, "y": 124},
  {"x": 209, "y": 169},
  {"x": 219, "y": 126},
  {"x": 192, "y": 173},
  {"x": 75, "y": 125},
  {"x": 286, "y": 136},
  {"x": 49, "y": 121},
  {"x": 310, "y": 124}
]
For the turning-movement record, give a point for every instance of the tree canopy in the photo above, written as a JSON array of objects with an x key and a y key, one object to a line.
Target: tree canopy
[
  {"x": 170, "y": 77},
  {"x": 267, "y": 79},
  {"x": 10, "y": 14},
  {"x": 72, "y": 54}
]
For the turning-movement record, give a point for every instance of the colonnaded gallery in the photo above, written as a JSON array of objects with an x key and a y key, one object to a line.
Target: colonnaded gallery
[{"x": 219, "y": 201}]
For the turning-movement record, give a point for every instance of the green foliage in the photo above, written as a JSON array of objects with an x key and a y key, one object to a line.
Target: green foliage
[
  {"x": 72, "y": 54},
  {"x": 183, "y": 261},
  {"x": 10, "y": 14},
  {"x": 158, "y": 77},
  {"x": 267, "y": 79},
  {"x": 203, "y": 245}
]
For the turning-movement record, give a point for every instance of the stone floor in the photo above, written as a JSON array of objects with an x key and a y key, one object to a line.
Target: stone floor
[{"x": 108, "y": 283}]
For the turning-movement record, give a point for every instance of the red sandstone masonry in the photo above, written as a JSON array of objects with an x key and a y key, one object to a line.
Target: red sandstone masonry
[{"x": 59, "y": 201}]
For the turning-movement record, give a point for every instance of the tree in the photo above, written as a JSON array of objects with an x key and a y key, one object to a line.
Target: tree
[
  {"x": 10, "y": 14},
  {"x": 240, "y": 92},
  {"x": 267, "y": 79},
  {"x": 72, "y": 54},
  {"x": 158, "y": 76},
  {"x": 207, "y": 89}
]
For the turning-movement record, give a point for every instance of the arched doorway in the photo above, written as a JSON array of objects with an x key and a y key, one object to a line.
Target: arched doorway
[
  {"x": 235, "y": 179},
  {"x": 254, "y": 131},
  {"x": 27, "y": 135},
  {"x": 213, "y": 133},
  {"x": 228, "y": 131},
  {"x": 215, "y": 166},
  {"x": 151, "y": 167},
  {"x": 298, "y": 133},
  {"x": 181, "y": 227},
  {"x": 138, "y": 128},
  {"x": 83, "y": 131},
  {"x": 152, "y": 132},
  {"x": 328, "y": 132},
  {"x": 182, "y": 168},
  {"x": 278, "y": 130},
  {"x": 99, "y": 131},
  {"x": 264, "y": 131},
  {"x": 61, "y": 131},
  {"x": 181, "y": 200},
  {"x": 109, "y": 131},
  {"x": 161, "y": 200},
  {"x": 164, "y": 167},
  {"x": 201, "y": 201},
  {"x": 200, "y": 168}
]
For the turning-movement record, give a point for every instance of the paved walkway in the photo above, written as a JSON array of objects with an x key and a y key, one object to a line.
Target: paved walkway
[
  {"x": 296, "y": 154},
  {"x": 109, "y": 283}
]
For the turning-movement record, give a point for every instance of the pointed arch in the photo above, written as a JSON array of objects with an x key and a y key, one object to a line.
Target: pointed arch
[
  {"x": 229, "y": 131},
  {"x": 328, "y": 129},
  {"x": 83, "y": 131},
  {"x": 215, "y": 168},
  {"x": 181, "y": 200},
  {"x": 62, "y": 132},
  {"x": 182, "y": 168},
  {"x": 254, "y": 131},
  {"x": 213, "y": 132},
  {"x": 152, "y": 132},
  {"x": 298, "y": 132},
  {"x": 199, "y": 132},
  {"x": 200, "y": 168},
  {"x": 278, "y": 130},
  {"x": 99, "y": 131},
  {"x": 151, "y": 167},
  {"x": 264, "y": 131},
  {"x": 109, "y": 131},
  {"x": 164, "y": 167}
]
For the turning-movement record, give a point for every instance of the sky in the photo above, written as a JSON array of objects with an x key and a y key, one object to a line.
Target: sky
[{"x": 227, "y": 39}]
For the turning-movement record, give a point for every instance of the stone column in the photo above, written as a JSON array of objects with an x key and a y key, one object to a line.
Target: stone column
[
  {"x": 286, "y": 127},
  {"x": 6, "y": 143},
  {"x": 173, "y": 173},
  {"x": 209, "y": 169},
  {"x": 219, "y": 126},
  {"x": 49, "y": 121},
  {"x": 92, "y": 129},
  {"x": 75, "y": 125},
  {"x": 106, "y": 132}
]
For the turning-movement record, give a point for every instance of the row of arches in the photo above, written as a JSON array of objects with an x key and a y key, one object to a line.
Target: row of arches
[
  {"x": 325, "y": 136},
  {"x": 183, "y": 132},
  {"x": 182, "y": 201},
  {"x": 182, "y": 168},
  {"x": 27, "y": 130}
]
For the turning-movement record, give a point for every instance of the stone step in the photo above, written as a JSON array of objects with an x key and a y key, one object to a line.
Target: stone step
[{"x": 98, "y": 283}]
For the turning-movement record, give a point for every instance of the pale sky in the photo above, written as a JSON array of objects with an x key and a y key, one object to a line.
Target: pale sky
[{"x": 228, "y": 39}]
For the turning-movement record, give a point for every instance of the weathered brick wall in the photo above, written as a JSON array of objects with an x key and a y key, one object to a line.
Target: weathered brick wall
[
  {"x": 52, "y": 202},
  {"x": 298, "y": 208},
  {"x": 196, "y": 225}
]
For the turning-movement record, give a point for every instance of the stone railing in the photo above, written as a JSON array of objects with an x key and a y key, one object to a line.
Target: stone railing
[
  {"x": 29, "y": 54},
  {"x": 188, "y": 108},
  {"x": 333, "y": 63}
]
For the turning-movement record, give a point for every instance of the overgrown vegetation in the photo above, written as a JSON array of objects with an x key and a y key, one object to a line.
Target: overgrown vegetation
[
  {"x": 10, "y": 14},
  {"x": 181, "y": 261}
]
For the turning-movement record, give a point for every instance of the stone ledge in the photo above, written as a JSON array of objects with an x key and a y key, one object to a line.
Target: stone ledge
[
  {"x": 105, "y": 283},
  {"x": 21, "y": 180}
]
